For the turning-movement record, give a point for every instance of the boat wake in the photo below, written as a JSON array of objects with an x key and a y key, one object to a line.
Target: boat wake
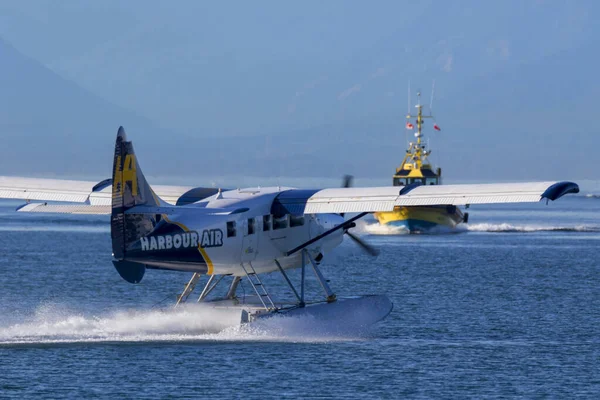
[
  {"x": 55, "y": 325},
  {"x": 509, "y": 228},
  {"x": 375, "y": 228}
]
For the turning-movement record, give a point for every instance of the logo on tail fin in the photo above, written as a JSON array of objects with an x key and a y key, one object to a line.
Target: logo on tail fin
[{"x": 127, "y": 174}]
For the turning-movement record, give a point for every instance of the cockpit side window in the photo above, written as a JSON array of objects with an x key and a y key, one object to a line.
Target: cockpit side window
[
  {"x": 296, "y": 220},
  {"x": 251, "y": 227},
  {"x": 231, "y": 229},
  {"x": 280, "y": 223},
  {"x": 266, "y": 223}
]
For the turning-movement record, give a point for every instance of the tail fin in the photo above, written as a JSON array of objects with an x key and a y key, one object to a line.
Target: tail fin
[{"x": 129, "y": 189}]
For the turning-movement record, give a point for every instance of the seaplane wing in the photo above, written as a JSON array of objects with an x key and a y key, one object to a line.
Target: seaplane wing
[
  {"x": 89, "y": 197},
  {"x": 381, "y": 199},
  {"x": 84, "y": 197}
]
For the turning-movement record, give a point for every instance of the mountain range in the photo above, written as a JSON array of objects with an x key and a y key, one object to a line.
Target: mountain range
[{"x": 311, "y": 90}]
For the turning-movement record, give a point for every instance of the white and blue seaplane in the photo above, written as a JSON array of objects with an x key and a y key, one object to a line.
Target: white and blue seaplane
[{"x": 230, "y": 235}]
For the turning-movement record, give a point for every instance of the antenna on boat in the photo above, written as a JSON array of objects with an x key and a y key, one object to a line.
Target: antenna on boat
[
  {"x": 407, "y": 113},
  {"x": 431, "y": 101},
  {"x": 408, "y": 104}
]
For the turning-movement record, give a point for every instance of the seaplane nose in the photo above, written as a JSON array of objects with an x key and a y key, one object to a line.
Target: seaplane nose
[
  {"x": 331, "y": 220},
  {"x": 327, "y": 222}
]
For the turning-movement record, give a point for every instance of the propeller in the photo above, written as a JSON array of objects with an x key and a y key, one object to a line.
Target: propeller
[
  {"x": 363, "y": 245},
  {"x": 346, "y": 183}
]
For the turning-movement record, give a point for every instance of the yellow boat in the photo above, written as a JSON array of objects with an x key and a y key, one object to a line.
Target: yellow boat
[{"x": 417, "y": 170}]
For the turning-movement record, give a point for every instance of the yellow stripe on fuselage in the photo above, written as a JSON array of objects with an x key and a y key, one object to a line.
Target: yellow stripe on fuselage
[{"x": 200, "y": 248}]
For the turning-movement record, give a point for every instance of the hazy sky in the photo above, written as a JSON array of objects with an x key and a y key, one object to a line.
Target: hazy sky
[{"x": 306, "y": 88}]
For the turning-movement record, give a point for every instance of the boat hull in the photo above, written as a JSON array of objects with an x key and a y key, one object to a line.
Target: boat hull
[{"x": 422, "y": 219}]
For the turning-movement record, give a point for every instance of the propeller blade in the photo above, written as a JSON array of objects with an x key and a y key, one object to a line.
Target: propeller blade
[
  {"x": 348, "y": 181},
  {"x": 365, "y": 246}
]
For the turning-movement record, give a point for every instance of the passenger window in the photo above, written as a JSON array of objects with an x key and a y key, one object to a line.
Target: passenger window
[
  {"x": 296, "y": 220},
  {"x": 280, "y": 223},
  {"x": 231, "y": 229},
  {"x": 266, "y": 223},
  {"x": 250, "y": 226}
]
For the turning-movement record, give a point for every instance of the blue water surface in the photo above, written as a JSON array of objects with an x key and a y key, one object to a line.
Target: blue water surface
[{"x": 508, "y": 306}]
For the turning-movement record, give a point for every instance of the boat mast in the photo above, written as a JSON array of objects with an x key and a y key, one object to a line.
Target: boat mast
[
  {"x": 416, "y": 154},
  {"x": 419, "y": 151}
]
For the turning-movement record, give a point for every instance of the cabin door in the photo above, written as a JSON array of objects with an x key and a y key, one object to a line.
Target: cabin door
[{"x": 250, "y": 240}]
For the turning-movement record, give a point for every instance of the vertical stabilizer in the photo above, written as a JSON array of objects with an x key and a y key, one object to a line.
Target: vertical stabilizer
[{"x": 129, "y": 189}]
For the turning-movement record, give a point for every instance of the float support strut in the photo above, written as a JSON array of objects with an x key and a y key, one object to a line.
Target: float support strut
[
  {"x": 189, "y": 288},
  {"x": 331, "y": 297},
  {"x": 287, "y": 279}
]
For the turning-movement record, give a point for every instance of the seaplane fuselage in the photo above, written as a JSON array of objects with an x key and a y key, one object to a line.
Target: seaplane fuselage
[{"x": 261, "y": 230}]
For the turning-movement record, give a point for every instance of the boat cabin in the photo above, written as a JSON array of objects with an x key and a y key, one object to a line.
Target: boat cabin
[{"x": 407, "y": 174}]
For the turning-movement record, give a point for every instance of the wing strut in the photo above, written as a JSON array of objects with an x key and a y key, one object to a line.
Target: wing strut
[{"x": 347, "y": 224}]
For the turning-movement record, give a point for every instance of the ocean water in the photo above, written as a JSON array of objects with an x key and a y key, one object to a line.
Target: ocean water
[{"x": 506, "y": 306}]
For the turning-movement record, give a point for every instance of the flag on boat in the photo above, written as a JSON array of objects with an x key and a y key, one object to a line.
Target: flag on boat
[
  {"x": 409, "y": 125},
  {"x": 436, "y": 127}
]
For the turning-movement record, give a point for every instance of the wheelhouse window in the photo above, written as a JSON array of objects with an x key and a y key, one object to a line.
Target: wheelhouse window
[
  {"x": 251, "y": 227},
  {"x": 432, "y": 181},
  {"x": 399, "y": 182},
  {"x": 296, "y": 220},
  {"x": 266, "y": 223},
  {"x": 280, "y": 223},
  {"x": 231, "y": 229}
]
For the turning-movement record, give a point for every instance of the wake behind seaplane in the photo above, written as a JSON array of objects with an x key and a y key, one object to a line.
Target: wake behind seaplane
[{"x": 230, "y": 235}]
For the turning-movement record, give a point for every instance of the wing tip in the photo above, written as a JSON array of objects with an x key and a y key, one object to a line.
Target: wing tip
[
  {"x": 102, "y": 185},
  {"x": 559, "y": 189}
]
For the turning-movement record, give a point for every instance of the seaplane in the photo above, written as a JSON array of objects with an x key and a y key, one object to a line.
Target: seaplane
[{"x": 230, "y": 235}]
